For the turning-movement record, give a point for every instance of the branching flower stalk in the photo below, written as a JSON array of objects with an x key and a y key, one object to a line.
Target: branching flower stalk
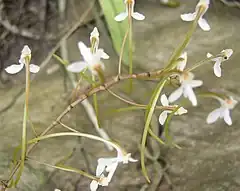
[
  {"x": 92, "y": 56},
  {"x": 88, "y": 93}
]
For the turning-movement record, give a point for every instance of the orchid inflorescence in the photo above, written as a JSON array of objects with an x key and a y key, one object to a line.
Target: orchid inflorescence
[{"x": 93, "y": 56}]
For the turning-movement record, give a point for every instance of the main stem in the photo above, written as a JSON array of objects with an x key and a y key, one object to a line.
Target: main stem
[
  {"x": 25, "y": 117},
  {"x": 130, "y": 44}
]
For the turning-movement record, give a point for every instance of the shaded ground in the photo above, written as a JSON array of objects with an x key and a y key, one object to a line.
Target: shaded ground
[{"x": 210, "y": 156}]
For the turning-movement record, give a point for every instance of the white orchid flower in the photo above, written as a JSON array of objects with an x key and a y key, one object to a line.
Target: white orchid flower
[
  {"x": 225, "y": 55},
  {"x": 186, "y": 88},
  {"x": 191, "y": 16},
  {"x": 223, "y": 111},
  {"x": 91, "y": 60},
  {"x": 163, "y": 115},
  {"x": 182, "y": 61},
  {"x": 25, "y": 54},
  {"x": 129, "y": 5},
  {"x": 109, "y": 165}
]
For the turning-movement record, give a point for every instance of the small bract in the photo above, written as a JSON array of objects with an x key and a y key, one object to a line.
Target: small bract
[{"x": 129, "y": 9}]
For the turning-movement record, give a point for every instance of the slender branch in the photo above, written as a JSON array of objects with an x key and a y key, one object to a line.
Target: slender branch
[
  {"x": 137, "y": 104},
  {"x": 82, "y": 97},
  {"x": 121, "y": 52}
]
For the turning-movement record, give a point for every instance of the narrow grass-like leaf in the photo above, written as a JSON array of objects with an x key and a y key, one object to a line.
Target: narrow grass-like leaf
[{"x": 148, "y": 117}]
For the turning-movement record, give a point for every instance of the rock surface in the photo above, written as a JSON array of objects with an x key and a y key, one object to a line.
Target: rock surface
[{"x": 210, "y": 154}]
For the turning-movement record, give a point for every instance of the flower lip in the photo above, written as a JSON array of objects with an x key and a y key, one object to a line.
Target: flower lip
[
  {"x": 186, "y": 76},
  {"x": 229, "y": 103}
]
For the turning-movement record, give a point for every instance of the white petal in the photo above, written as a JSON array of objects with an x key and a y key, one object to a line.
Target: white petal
[
  {"x": 182, "y": 64},
  {"x": 163, "y": 117},
  {"x": 132, "y": 159},
  {"x": 77, "y": 67},
  {"x": 111, "y": 169},
  {"x": 176, "y": 94},
  {"x": 93, "y": 185},
  {"x": 195, "y": 83},
  {"x": 164, "y": 100},
  {"x": 85, "y": 52},
  {"x": 189, "y": 93},
  {"x": 121, "y": 16},
  {"x": 100, "y": 169},
  {"x": 188, "y": 16},
  {"x": 15, "y": 68},
  {"x": 209, "y": 55},
  {"x": 217, "y": 68},
  {"x": 103, "y": 54},
  {"x": 204, "y": 2},
  {"x": 34, "y": 68},
  {"x": 138, "y": 16},
  {"x": 204, "y": 24},
  {"x": 214, "y": 115},
  {"x": 106, "y": 161},
  {"x": 227, "y": 117}
]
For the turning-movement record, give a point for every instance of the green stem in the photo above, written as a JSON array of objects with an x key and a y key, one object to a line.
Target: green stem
[
  {"x": 149, "y": 113},
  {"x": 201, "y": 63},
  {"x": 25, "y": 117},
  {"x": 65, "y": 168},
  {"x": 130, "y": 51},
  {"x": 171, "y": 63},
  {"x": 95, "y": 102},
  {"x": 89, "y": 136},
  {"x": 121, "y": 52}
]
